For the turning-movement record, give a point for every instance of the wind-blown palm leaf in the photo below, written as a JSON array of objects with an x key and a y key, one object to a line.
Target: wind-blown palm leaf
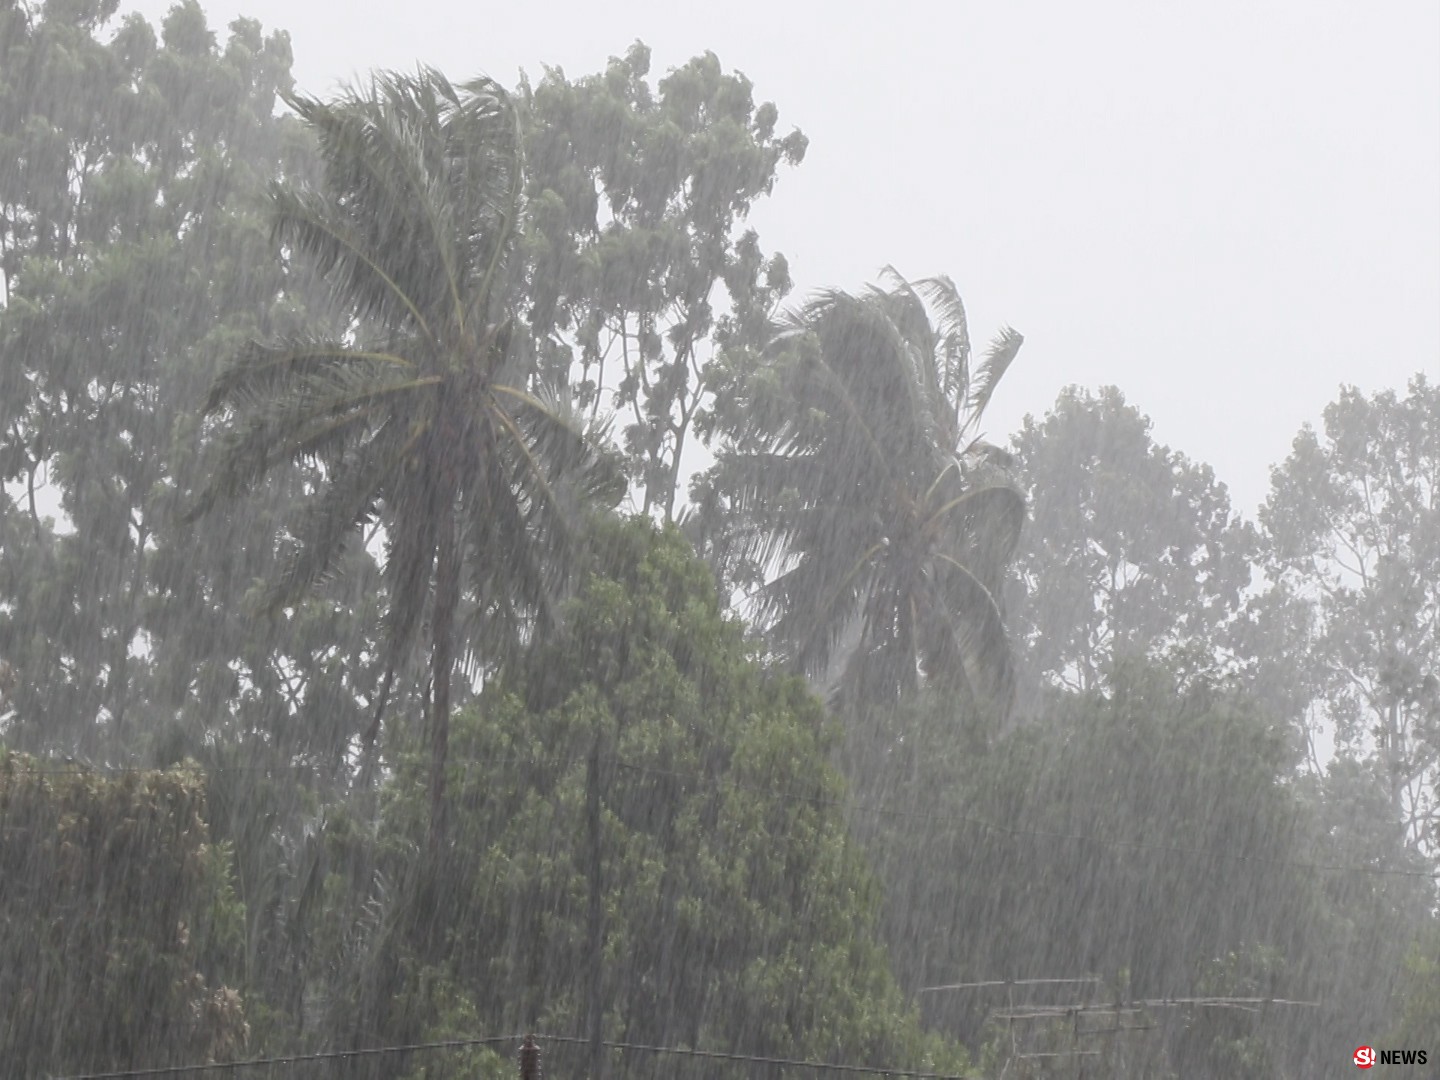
[
  {"x": 815, "y": 608},
  {"x": 866, "y": 379},
  {"x": 263, "y": 370},
  {"x": 306, "y": 403},
  {"x": 905, "y": 309},
  {"x": 429, "y": 182},
  {"x": 998, "y": 358},
  {"x": 365, "y": 280},
  {"x": 887, "y": 538},
  {"x": 347, "y": 504},
  {"x": 952, "y": 355}
]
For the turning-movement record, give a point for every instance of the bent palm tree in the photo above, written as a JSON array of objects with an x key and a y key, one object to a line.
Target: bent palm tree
[
  {"x": 416, "y": 416},
  {"x": 894, "y": 531}
]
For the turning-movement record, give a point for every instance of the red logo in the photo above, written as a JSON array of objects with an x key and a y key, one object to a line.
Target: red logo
[{"x": 1365, "y": 1057}]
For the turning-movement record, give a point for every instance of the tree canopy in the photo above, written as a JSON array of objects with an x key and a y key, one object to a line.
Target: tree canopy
[
  {"x": 635, "y": 198},
  {"x": 737, "y": 912},
  {"x": 737, "y": 775},
  {"x": 118, "y": 922},
  {"x": 852, "y": 472},
  {"x": 1353, "y": 531},
  {"x": 1131, "y": 551}
]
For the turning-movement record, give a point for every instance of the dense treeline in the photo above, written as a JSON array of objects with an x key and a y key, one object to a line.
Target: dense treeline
[{"x": 372, "y": 672}]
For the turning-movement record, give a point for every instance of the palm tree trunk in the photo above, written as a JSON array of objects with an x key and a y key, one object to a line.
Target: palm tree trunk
[{"x": 442, "y": 664}]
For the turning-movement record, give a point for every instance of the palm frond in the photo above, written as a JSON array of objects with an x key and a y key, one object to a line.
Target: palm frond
[
  {"x": 986, "y": 519},
  {"x": 347, "y": 503},
  {"x": 412, "y": 516},
  {"x": 998, "y": 358},
  {"x": 279, "y": 369},
  {"x": 417, "y": 209},
  {"x": 563, "y": 445},
  {"x": 491, "y": 124},
  {"x": 888, "y": 542},
  {"x": 306, "y": 404},
  {"x": 929, "y": 350},
  {"x": 422, "y": 189},
  {"x": 813, "y": 614},
  {"x": 905, "y": 308},
  {"x": 380, "y": 209},
  {"x": 514, "y": 571},
  {"x": 361, "y": 279},
  {"x": 859, "y": 399},
  {"x": 952, "y": 355},
  {"x": 979, "y": 653}
]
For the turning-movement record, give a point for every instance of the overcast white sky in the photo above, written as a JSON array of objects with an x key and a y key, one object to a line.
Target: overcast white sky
[{"x": 1227, "y": 209}]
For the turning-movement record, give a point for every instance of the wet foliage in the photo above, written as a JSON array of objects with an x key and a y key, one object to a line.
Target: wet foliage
[
  {"x": 116, "y": 908},
  {"x": 342, "y": 705}
]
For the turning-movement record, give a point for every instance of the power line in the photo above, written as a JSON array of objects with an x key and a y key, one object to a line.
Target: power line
[
  {"x": 294, "y": 1059},
  {"x": 80, "y": 768},
  {"x": 898, "y": 1072}
]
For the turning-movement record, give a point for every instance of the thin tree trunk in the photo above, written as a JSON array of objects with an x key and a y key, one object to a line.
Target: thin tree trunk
[
  {"x": 118, "y": 684},
  {"x": 30, "y": 488},
  {"x": 447, "y": 596},
  {"x": 1392, "y": 755},
  {"x": 365, "y": 782}
]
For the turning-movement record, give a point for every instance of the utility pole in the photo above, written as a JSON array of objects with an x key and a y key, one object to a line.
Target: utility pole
[
  {"x": 595, "y": 1010},
  {"x": 529, "y": 1059}
]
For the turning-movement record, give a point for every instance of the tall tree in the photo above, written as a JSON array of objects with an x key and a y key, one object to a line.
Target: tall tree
[
  {"x": 1352, "y": 527},
  {"x": 637, "y": 193},
  {"x": 418, "y": 415},
  {"x": 855, "y": 469},
  {"x": 1132, "y": 551},
  {"x": 134, "y": 252}
]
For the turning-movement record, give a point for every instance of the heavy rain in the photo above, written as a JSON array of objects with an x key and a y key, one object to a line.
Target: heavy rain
[{"x": 765, "y": 541}]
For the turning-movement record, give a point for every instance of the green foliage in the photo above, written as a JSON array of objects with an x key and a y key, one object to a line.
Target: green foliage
[
  {"x": 1235, "y": 1042},
  {"x": 134, "y": 253},
  {"x": 1368, "y": 921},
  {"x": 1131, "y": 551},
  {"x": 1420, "y": 993},
  {"x": 463, "y": 279},
  {"x": 1353, "y": 532},
  {"x": 738, "y": 914},
  {"x": 448, "y": 1012},
  {"x": 1133, "y": 836},
  {"x": 635, "y": 197},
  {"x": 117, "y": 922},
  {"x": 851, "y": 472}
]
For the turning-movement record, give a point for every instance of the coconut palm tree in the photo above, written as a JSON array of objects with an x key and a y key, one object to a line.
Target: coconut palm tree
[
  {"x": 863, "y": 480},
  {"x": 417, "y": 413}
]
